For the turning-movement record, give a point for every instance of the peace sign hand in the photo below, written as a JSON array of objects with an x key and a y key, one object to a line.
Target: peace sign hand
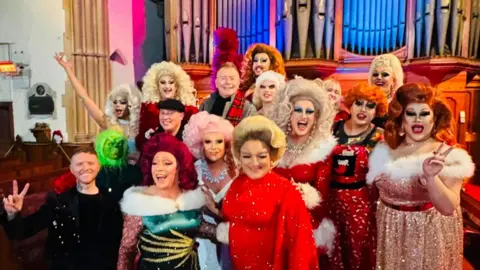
[
  {"x": 66, "y": 64},
  {"x": 13, "y": 203},
  {"x": 432, "y": 166}
]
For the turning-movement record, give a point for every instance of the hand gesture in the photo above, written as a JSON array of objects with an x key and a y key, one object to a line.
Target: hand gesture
[
  {"x": 432, "y": 166},
  {"x": 14, "y": 203},
  {"x": 209, "y": 201},
  {"x": 66, "y": 64}
]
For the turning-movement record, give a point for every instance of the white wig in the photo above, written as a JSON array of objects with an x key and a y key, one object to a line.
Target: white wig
[
  {"x": 134, "y": 102},
  {"x": 185, "y": 93},
  {"x": 314, "y": 91},
  {"x": 277, "y": 78},
  {"x": 391, "y": 61}
]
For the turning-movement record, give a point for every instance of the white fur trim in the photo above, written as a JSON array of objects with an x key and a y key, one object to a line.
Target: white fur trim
[
  {"x": 315, "y": 152},
  {"x": 325, "y": 235},
  {"x": 458, "y": 164},
  {"x": 136, "y": 202},
  {"x": 310, "y": 195},
  {"x": 223, "y": 230}
]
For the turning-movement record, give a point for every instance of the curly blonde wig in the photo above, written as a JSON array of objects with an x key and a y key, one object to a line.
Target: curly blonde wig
[
  {"x": 334, "y": 85},
  {"x": 186, "y": 92},
  {"x": 314, "y": 91},
  {"x": 276, "y": 63},
  {"x": 259, "y": 128},
  {"x": 388, "y": 60},
  {"x": 134, "y": 99}
]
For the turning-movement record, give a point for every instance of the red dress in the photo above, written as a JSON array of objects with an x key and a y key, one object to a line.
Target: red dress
[
  {"x": 269, "y": 226},
  {"x": 350, "y": 202},
  {"x": 312, "y": 168},
  {"x": 149, "y": 113}
]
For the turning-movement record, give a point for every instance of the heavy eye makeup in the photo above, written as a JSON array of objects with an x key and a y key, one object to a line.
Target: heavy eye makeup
[
  {"x": 301, "y": 110},
  {"x": 370, "y": 105},
  {"x": 413, "y": 113}
]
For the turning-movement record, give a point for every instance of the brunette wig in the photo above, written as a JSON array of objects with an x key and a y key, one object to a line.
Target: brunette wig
[
  {"x": 371, "y": 93},
  {"x": 163, "y": 142},
  {"x": 276, "y": 63},
  {"x": 443, "y": 128}
]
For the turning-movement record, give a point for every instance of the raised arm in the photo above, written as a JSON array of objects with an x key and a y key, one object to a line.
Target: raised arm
[
  {"x": 89, "y": 104},
  {"x": 18, "y": 227}
]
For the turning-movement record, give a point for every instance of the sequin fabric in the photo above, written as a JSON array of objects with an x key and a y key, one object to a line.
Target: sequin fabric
[
  {"x": 132, "y": 226},
  {"x": 418, "y": 239}
]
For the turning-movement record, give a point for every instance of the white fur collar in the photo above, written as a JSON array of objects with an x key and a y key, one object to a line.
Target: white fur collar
[
  {"x": 316, "y": 151},
  {"x": 458, "y": 164},
  {"x": 136, "y": 202}
]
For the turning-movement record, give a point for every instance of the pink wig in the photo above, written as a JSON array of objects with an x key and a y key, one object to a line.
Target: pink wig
[
  {"x": 163, "y": 142},
  {"x": 201, "y": 124}
]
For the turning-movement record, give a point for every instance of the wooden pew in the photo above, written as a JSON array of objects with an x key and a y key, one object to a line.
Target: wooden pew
[{"x": 27, "y": 170}]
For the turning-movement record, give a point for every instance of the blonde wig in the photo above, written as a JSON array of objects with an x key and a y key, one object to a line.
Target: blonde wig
[
  {"x": 391, "y": 61},
  {"x": 277, "y": 78},
  {"x": 257, "y": 128},
  {"x": 185, "y": 93},
  {"x": 134, "y": 102},
  {"x": 335, "y": 85},
  {"x": 314, "y": 91}
]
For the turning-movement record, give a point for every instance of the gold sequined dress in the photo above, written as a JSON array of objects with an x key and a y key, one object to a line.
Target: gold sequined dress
[{"x": 412, "y": 234}]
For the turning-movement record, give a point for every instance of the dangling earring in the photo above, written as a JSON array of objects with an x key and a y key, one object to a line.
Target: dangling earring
[
  {"x": 289, "y": 128},
  {"x": 401, "y": 132}
]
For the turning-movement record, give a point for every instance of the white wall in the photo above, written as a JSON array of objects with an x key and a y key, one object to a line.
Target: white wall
[
  {"x": 36, "y": 27},
  {"x": 121, "y": 38}
]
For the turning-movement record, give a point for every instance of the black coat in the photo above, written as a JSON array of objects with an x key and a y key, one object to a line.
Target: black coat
[{"x": 60, "y": 214}]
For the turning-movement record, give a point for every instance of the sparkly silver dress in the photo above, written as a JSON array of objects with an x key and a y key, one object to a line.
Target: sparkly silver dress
[{"x": 412, "y": 234}]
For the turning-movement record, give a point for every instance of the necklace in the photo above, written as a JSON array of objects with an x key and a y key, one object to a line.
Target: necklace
[
  {"x": 207, "y": 175},
  {"x": 294, "y": 149}
]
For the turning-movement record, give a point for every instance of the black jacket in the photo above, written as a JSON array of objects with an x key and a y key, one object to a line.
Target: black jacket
[{"x": 60, "y": 214}]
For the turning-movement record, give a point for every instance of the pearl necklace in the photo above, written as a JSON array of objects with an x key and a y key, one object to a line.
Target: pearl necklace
[{"x": 207, "y": 175}]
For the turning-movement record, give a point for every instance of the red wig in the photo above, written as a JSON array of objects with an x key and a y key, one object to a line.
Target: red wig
[
  {"x": 371, "y": 93},
  {"x": 225, "y": 41},
  {"x": 164, "y": 142},
  {"x": 443, "y": 128},
  {"x": 276, "y": 63}
]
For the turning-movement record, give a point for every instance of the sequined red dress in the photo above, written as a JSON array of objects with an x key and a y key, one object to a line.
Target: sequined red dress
[
  {"x": 412, "y": 233},
  {"x": 350, "y": 203},
  {"x": 269, "y": 226},
  {"x": 311, "y": 170}
]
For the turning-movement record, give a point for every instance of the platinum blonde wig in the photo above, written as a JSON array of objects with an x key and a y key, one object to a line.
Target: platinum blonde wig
[
  {"x": 391, "y": 61},
  {"x": 185, "y": 93},
  {"x": 134, "y": 102},
  {"x": 314, "y": 91},
  {"x": 335, "y": 85},
  {"x": 269, "y": 75}
]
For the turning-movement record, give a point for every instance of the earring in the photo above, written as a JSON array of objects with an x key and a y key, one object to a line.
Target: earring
[
  {"x": 289, "y": 128},
  {"x": 401, "y": 132}
]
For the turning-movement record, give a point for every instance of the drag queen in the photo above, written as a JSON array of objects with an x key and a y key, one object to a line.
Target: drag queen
[
  {"x": 419, "y": 174},
  {"x": 163, "y": 217},
  {"x": 335, "y": 94},
  {"x": 268, "y": 225},
  {"x": 305, "y": 113},
  {"x": 208, "y": 137},
  {"x": 386, "y": 72},
  {"x": 267, "y": 86},
  {"x": 122, "y": 108},
  {"x": 259, "y": 58},
  {"x": 163, "y": 81},
  {"x": 350, "y": 203}
]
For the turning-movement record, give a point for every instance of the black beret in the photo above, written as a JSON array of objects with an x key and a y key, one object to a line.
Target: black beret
[{"x": 172, "y": 105}]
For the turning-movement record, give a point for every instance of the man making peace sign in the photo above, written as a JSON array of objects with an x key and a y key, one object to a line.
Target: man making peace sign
[{"x": 84, "y": 223}]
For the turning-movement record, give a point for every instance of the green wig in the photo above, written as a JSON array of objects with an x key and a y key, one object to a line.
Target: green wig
[{"x": 111, "y": 147}]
